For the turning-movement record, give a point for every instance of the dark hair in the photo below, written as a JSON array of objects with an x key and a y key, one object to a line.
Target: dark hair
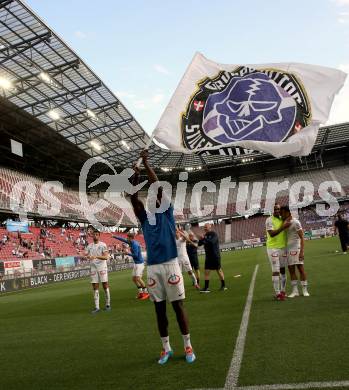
[{"x": 285, "y": 208}]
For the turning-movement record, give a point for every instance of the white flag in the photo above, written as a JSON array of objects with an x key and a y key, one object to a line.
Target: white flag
[{"x": 273, "y": 108}]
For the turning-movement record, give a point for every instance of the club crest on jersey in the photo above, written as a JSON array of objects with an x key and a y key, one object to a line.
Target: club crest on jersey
[
  {"x": 174, "y": 279},
  {"x": 151, "y": 282},
  {"x": 245, "y": 104}
]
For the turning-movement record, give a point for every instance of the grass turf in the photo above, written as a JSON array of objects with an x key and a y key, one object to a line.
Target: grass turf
[{"x": 49, "y": 339}]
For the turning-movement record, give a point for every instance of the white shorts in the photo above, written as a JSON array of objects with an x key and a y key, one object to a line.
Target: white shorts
[
  {"x": 184, "y": 263},
  {"x": 165, "y": 281},
  {"x": 138, "y": 270},
  {"x": 277, "y": 259},
  {"x": 99, "y": 273},
  {"x": 293, "y": 256}
]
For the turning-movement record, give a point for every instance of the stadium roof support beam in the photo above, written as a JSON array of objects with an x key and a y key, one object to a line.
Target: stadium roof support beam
[
  {"x": 52, "y": 71},
  {"x": 110, "y": 128},
  {"x": 75, "y": 94},
  {"x": 109, "y": 147},
  {"x": 97, "y": 111},
  {"x": 23, "y": 46},
  {"x": 324, "y": 140},
  {"x": 26, "y": 43},
  {"x": 180, "y": 161},
  {"x": 131, "y": 139},
  {"x": 5, "y": 3},
  {"x": 161, "y": 159}
]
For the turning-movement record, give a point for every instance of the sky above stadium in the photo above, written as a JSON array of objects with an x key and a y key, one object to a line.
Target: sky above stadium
[{"x": 141, "y": 48}]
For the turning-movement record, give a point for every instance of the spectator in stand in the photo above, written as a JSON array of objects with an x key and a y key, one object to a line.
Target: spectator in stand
[
  {"x": 42, "y": 233},
  {"x": 341, "y": 227},
  {"x": 19, "y": 236}
]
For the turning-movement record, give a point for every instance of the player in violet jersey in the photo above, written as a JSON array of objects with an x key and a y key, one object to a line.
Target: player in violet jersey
[{"x": 165, "y": 279}]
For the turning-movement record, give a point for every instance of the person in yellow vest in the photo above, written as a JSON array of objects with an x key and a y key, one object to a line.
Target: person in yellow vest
[{"x": 276, "y": 250}]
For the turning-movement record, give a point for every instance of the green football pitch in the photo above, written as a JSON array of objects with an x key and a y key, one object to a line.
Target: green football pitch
[{"x": 49, "y": 339}]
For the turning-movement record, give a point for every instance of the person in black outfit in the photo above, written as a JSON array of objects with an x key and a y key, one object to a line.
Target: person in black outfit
[
  {"x": 192, "y": 250},
  {"x": 341, "y": 226},
  {"x": 212, "y": 257}
]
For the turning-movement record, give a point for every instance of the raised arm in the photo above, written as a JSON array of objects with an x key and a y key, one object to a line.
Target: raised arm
[
  {"x": 152, "y": 178},
  {"x": 137, "y": 204},
  {"x": 121, "y": 239},
  {"x": 150, "y": 171},
  {"x": 187, "y": 239}
]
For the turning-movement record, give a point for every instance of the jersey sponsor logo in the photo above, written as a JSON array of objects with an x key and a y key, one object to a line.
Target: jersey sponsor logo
[
  {"x": 151, "y": 282},
  {"x": 245, "y": 104},
  {"x": 174, "y": 279}
]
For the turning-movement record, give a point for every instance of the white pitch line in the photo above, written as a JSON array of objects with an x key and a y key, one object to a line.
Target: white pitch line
[
  {"x": 234, "y": 369},
  {"x": 293, "y": 386},
  {"x": 231, "y": 381}
]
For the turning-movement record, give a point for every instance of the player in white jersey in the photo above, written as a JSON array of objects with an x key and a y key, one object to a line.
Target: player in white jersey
[
  {"x": 97, "y": 253},
  {"x": 183, "y": 258},
  {"x": 295, "y": 253}
]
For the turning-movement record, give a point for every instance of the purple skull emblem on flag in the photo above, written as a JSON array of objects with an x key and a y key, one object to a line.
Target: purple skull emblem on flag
[
  {"x": 251, "y": 107},
  {"x": 245, "y": 105}
]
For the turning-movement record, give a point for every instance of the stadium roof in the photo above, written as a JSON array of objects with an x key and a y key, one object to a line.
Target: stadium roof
[{"x": 42, "y": 75}]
